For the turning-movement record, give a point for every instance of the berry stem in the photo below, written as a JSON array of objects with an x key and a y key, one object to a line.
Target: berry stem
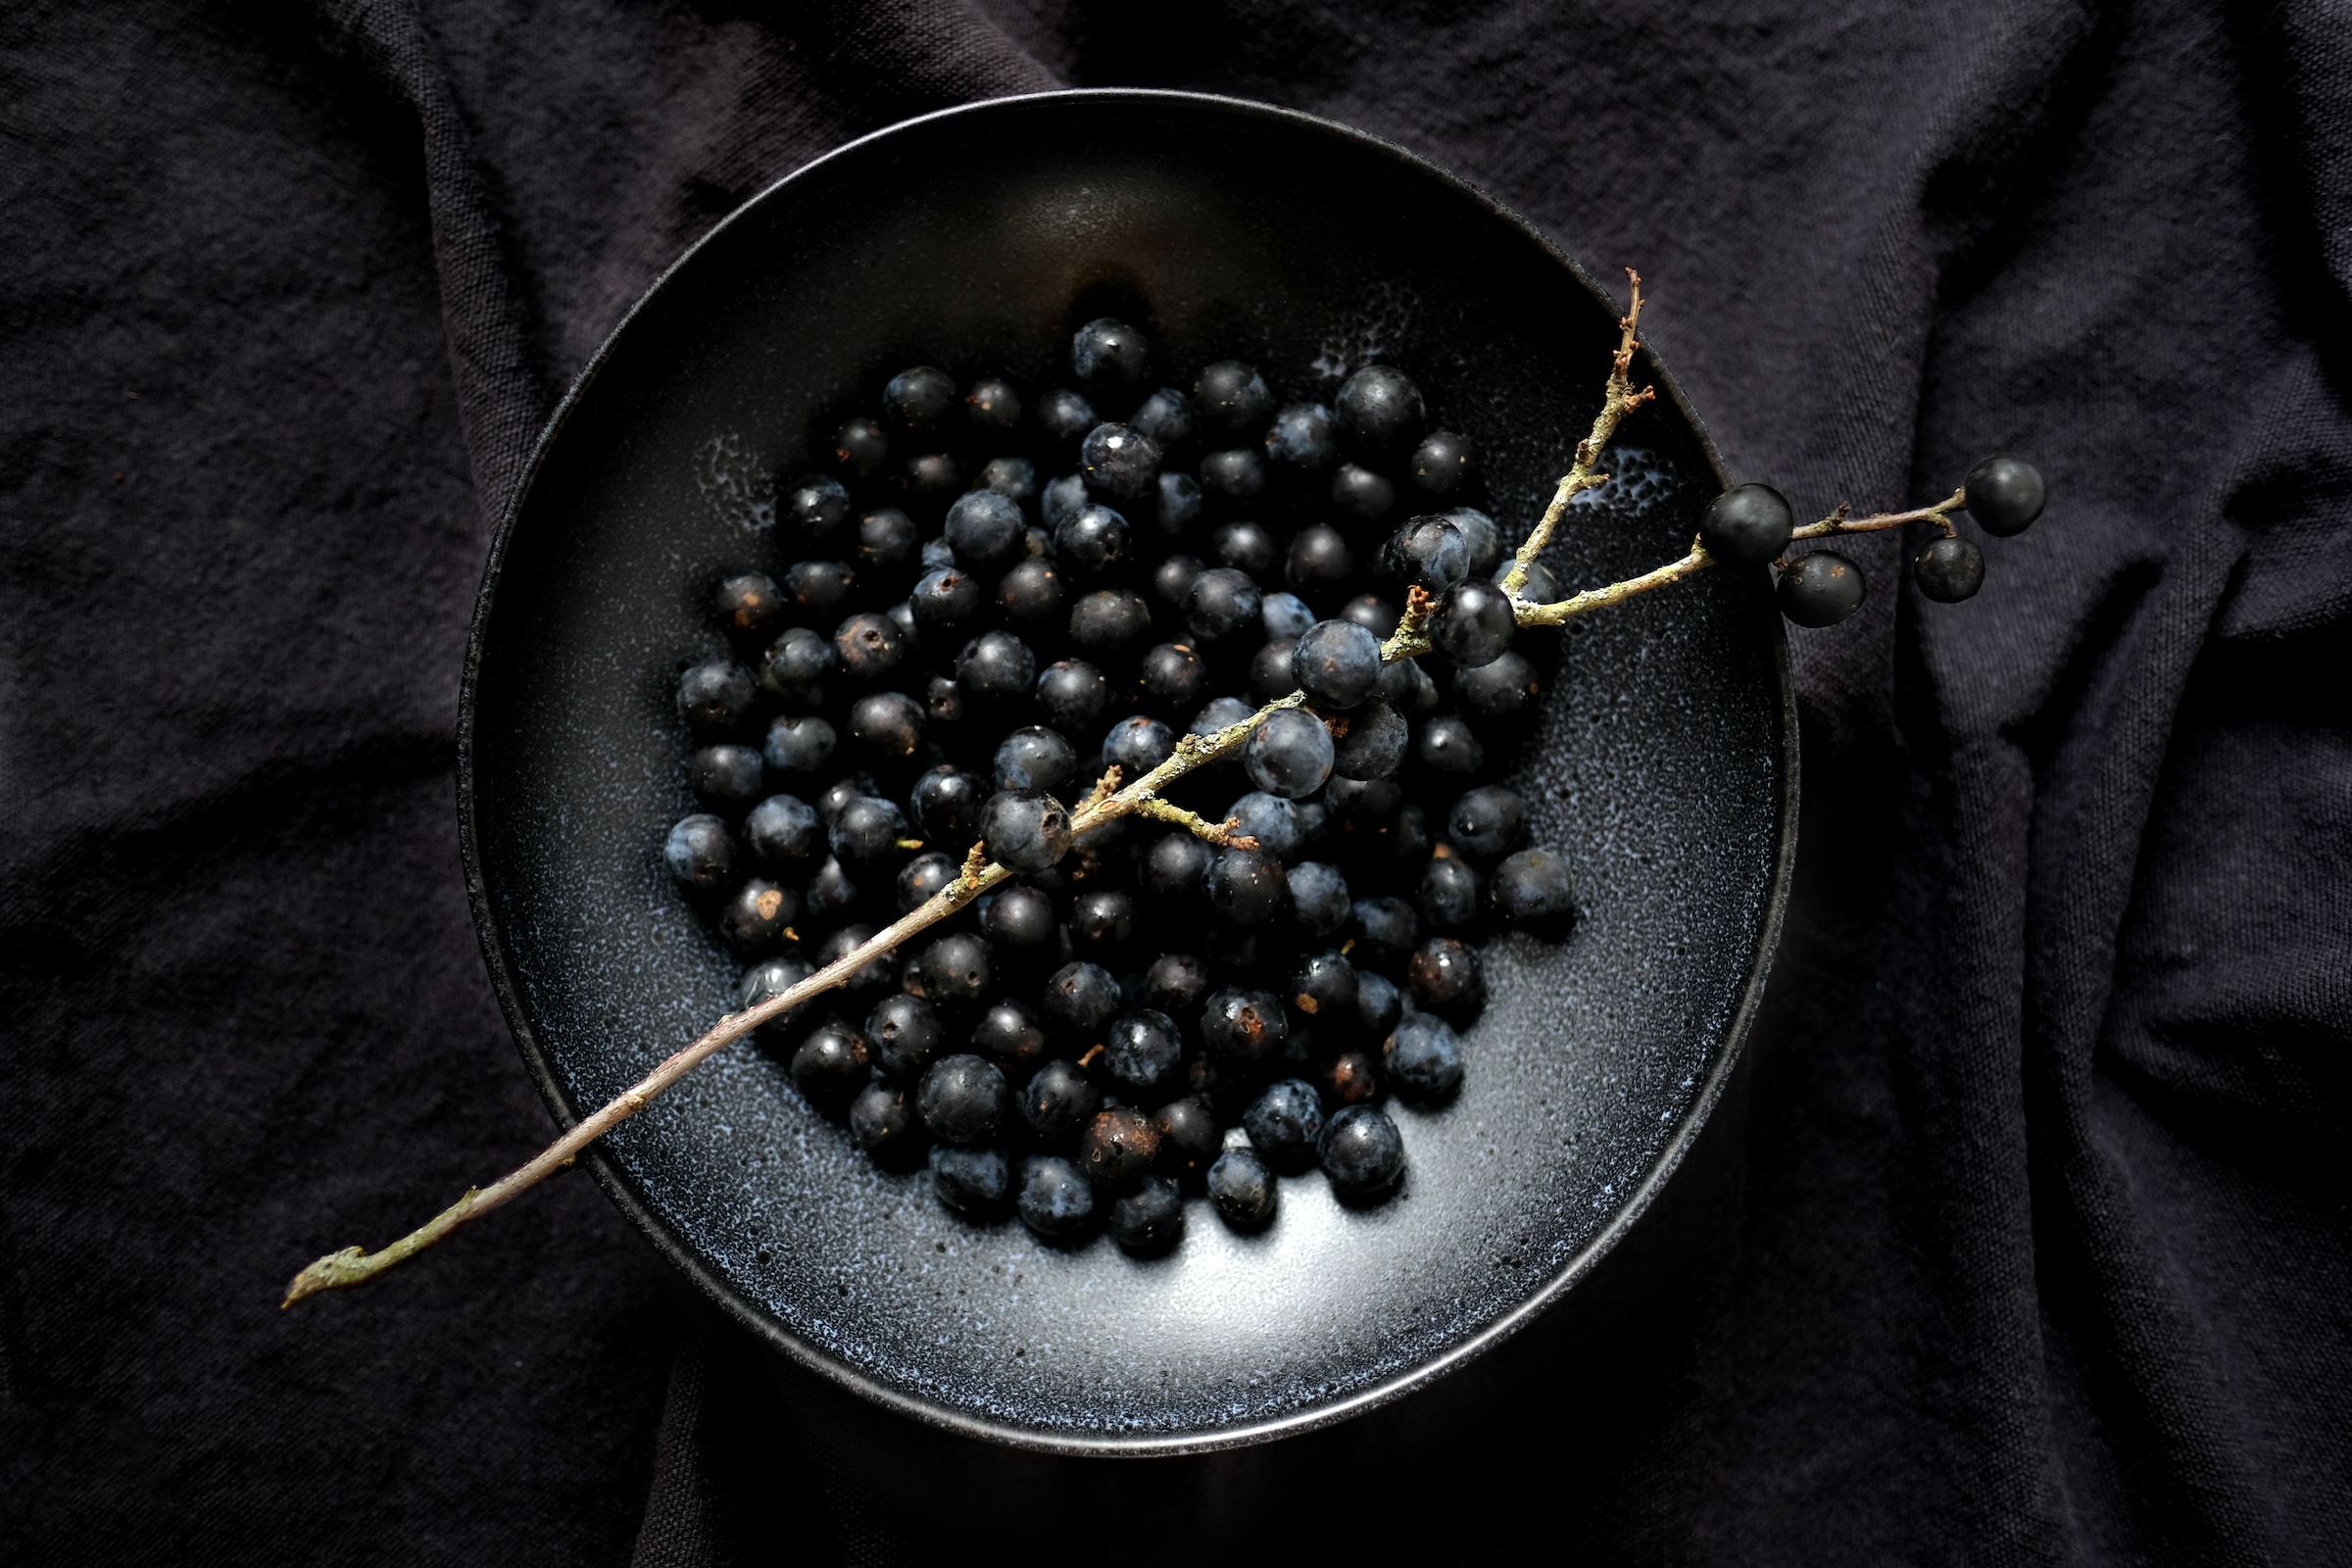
[
  {"x": 1106, "y": 802},
  {"x": 1617, "y": 401}
]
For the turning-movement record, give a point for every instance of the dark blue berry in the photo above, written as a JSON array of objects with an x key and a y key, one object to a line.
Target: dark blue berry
[
  {"x": 1065, "y": 416},
  {"x": 1109, "y": 618},
  {"x": 1149, "y": 1220},
  {"x": 1272, "y": 820},
  {"x": 1243, "y": 1027},
  {"x": 868, "y": 829},
  {"x": 1319, "y": 901},
  {"x": 1949, "y": 569},
  {"x": 1500, "y": 689},
  {"x": 1351, "y": 1078},
  {"x": 1102, "y": 920},
  {"x": 1428, "y": 553},
  {"x": 905, "y": 1034},
  {"x": 1073, "y": 693},
  {"x": 1010, "y": 1033},
  {"x": 1249, "y": 546},
  {"x": 1820, "y": 588},
  {"x": 945, "y": 596},
  {"x": 996, "y": 667},
  {"x": 1173, "y": 674},
  {"x": 1337, "y": 663},
  {"x": 1063, "y": 500},
  {"x": 783, "y": 830},
  {"x": 1108, "y": 351},
  {"x": 830, "y": 1064},
  {"x": 754, "y": 917},
  {"x": 1018, "y": 917},
  {"x": 1235, "y": 476},
  {"x": 815, "y": 507},
  {"x": 1284, "y": 1122},
  {"x": 726, "y": 774},
  {"x": 1378, "y": 1004},
  {"x": 1448, "y": 892},
  {"x": 1443, "y": 464},
  {"x": 876, "y": 974},
  {"x": 1450, "y": 747},
  {"x": 1445, "y": 977},
  {"x": 1232, "y": 397},
  {"x": 1032, "y": 591},
  {"x": 1219, "y": 714},
  {"x": 1167, "y": 416},
  {"x": 933, "y": 476},
  {"x": 1176, "y": 504},
  {"x": 2005, "y": 495},
  {"x": 1119, "y": 461},
  {"x": 964, "y": 1099},
  {"x": 1484, "y": 539},
  {"x": 1532, "y": 886},
  {"x": 970, "y": 1181},
  {"x": 1092, "y": 541},
  {"x": 869, "y": 646},
  {"x": 880, "y": 1119},
  {"x": 943, "y": 700},
  {"x": 947, "y": 804},
  {"x": 1222, "y": 602},
  {"x": 1748, "y": 525},
  {"x": 1136, "y": 746},
  {"x": 1270, "y": 670},
  {"x": 1386, "y": 928},
  {"x": 1302, "y": 437},
  {"x": 887, "y": 538},
  {"x": 1374, "y": 744},
  {"x": 1372, "y": 612},
  {"x": 860, "y": 448},
  {"x": 1189, "y": 1136},
  {"x": 1242, "y": 1186},
  {"x": 1285, "y": 616},
  {"x": 1080, "y": 998},
  {"x": 1359, "y": 493},
  {"x": 1024, "y": 830},
  {"x": 769, "y": 978},
  {"x": 924, "y": 878},
  {"x": 1323, "y": 987},
  {"x": 1361, "y": 1152},
  {"x": 993, "y": 405},
  {"x": 1176, "y": 984},
  {"x": 1035, "y": 758},
  {"x": 891, "y": 723},
  {"x": 1055, "y": 1200},
  {"x": 1176, "y": 867},
  {"x": 716, "y": 694},
  {"x": 1320, "y": 558},
  {"x": 921, "y": 399},
  {"x": 986, "y": 528},
  {"x": 1488, "y": 822},
  {"x": 818, "y": 588},
  {"x": 1142, "y": 1050},
  {"x": 1058, "y": 1102},
  {"x": 1424, "y": 1057},
  {"x": 1290, "y": 755},
  {"x": 1380, "y": 412},
  {"x": 1118, "y": 1144},
  {"x": 1014, "y": 479},
  {"x": 1472, "y": 623},
  {"x": 747, "y": 605},
  {"x": 1172, "y": 580},
  {"x": 831, "y": 892},
  {"x": 1540, "y": 586}
]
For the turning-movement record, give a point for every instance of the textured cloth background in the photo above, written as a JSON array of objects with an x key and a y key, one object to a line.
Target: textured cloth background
[{"x": 2042, "y": 1254}]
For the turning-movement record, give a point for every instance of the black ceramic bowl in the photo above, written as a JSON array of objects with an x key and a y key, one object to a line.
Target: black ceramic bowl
[{"x": 1663, "y": 761}]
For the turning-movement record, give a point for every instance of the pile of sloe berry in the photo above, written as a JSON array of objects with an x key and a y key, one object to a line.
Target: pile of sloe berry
[{"x": 992, "y": 598}]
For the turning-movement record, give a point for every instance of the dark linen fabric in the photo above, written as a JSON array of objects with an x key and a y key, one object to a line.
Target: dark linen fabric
[{"x": 2042, "y": 1249}]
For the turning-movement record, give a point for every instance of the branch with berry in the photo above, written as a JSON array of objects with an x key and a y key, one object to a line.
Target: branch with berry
[{"x": 1334, "y": 724}]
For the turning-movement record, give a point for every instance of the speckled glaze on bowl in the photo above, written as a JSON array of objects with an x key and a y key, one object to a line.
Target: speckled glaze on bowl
[{"x": 1663, "y": 761}]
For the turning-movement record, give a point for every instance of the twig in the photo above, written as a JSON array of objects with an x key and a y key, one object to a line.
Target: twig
[
  {"x": 1106, "y": 802},
  {"x": 1618, "y": 400},
  {"x": 1224, "y": 834}
]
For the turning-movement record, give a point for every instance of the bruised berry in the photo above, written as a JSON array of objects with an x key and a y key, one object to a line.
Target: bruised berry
[
  {"x": 921, "y": 399},
  {"x": 1010, "y": 1032},
  {"x": 1820, "y": 588},
  {"x": 1024, "y": 830},
  {"x": 1948, "y": 571},
  {"x": 700, "y": 854},
  {"x": 1118, "y": 1144},
  {"x": 716, "y": 695},
  {"x": 1243, "y": 1027},
  {"x": 1106, "y": 352},
  {"x": 860, "y": 448},
  {"x": 1248, "y": 887},
  {"x": 905, "y": 1033},
  {"x": 830, "y": 1064},
  {"x": 1032, "y": 591},
  {"x": 756, "y": 915},
  {"x": 1337, "y": 663}
]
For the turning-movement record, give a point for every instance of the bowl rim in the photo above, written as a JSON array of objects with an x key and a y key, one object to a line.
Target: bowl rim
[{"x": 777, "y": 1336}]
